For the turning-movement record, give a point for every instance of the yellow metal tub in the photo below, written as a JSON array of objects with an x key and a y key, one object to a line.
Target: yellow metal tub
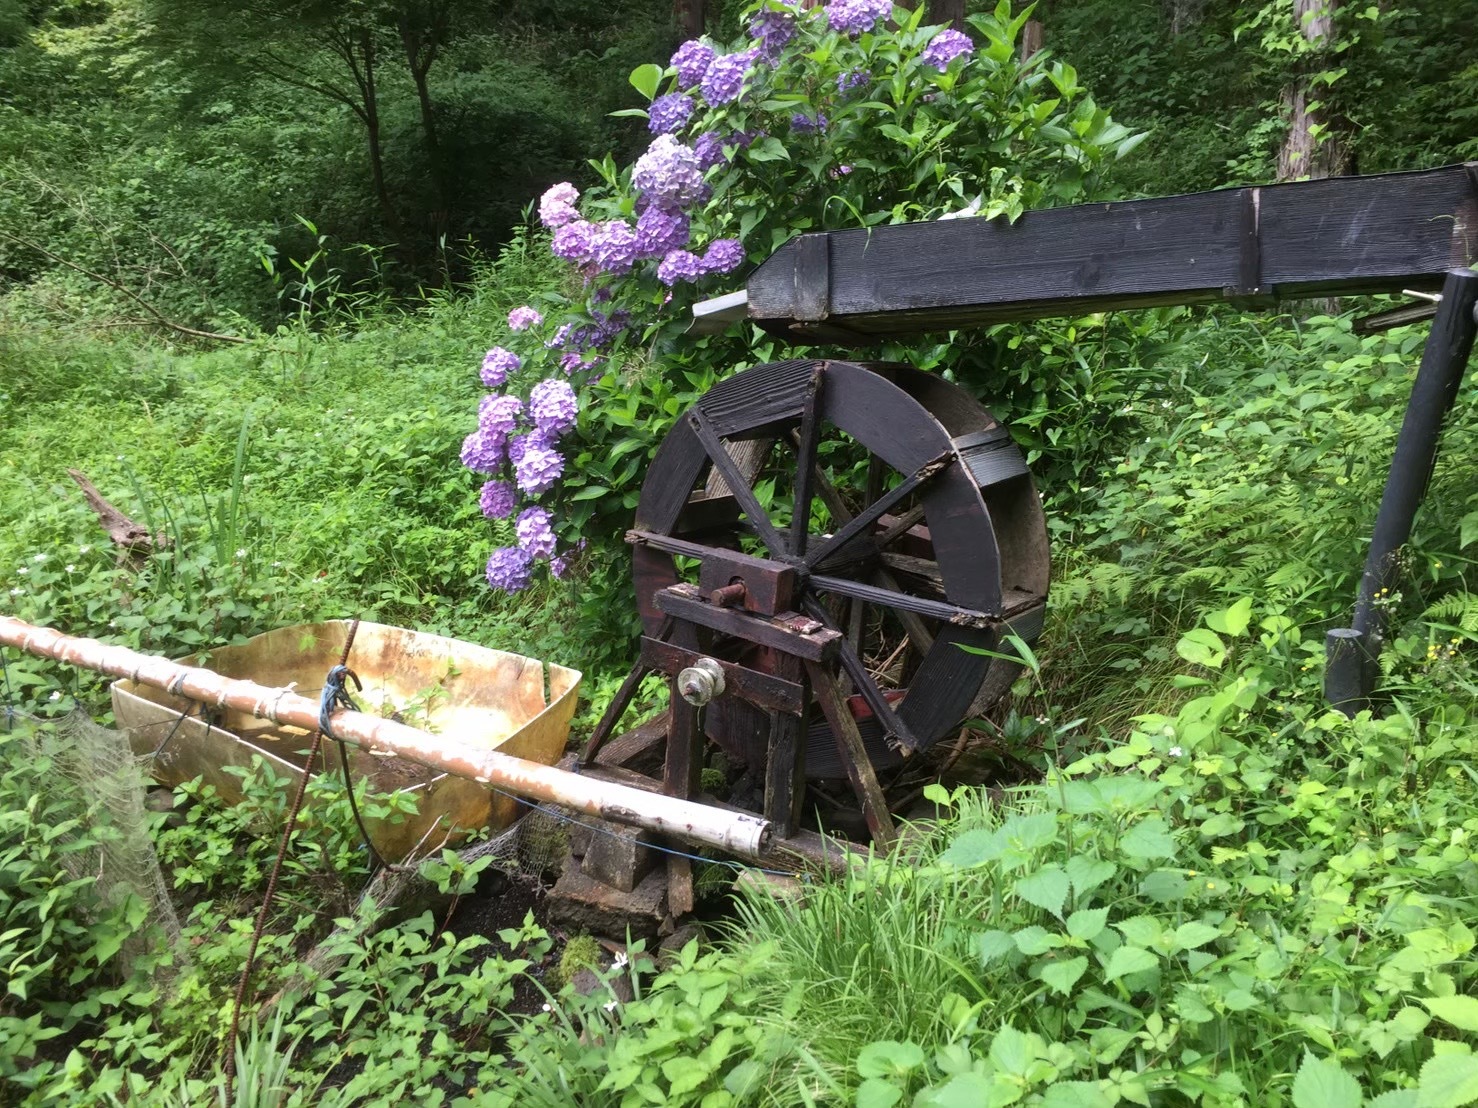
[{"x": 486, "y": 698}]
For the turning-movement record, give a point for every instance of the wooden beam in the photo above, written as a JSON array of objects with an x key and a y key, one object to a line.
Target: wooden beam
[{"x": 1345, "y": 235}]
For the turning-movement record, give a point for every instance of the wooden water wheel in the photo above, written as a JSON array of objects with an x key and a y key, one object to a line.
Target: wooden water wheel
[{"x": 891, "y": 508}]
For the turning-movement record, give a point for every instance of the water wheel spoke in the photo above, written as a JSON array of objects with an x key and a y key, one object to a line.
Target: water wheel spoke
[
  {"x": 758, "y": 518},
  {"x": 863, "y": 682},
  {"x": 880, "y": 507},
  {"x": 902, "y": 601},
  {"x": 806, "y": 442}
]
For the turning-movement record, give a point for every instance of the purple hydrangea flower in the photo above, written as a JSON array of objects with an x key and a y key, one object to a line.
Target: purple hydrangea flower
[
  {"x": 852, "y": 79},
  {"x": 692, "y": 61},
  {"x": 668, "y": 174},
  {"x": 852, "y": 17},
  {"x": 804, "y": 125},
  {"x": 496, "y": 499},
  {"x": 535, "y": 536},
  {"x": 773, "y": 29},
  {"x": 560, "y": 565},
  {"x": 482, "y": 452},
  {"x": 669, "y": 113},
  {"x": 708, "y": 147},
  {"x": 517, "y": 446},
  {"x": 723, "y": 256},
  {"x": 575, "y": 242},
  {"x": 660, "y": 230},
  {"x": 680, "y": 265},
  {"x": 498, "y": 414},
  {"x": 553, "y": 408},
  {"x": 945, "y": 47},
  {"x": 571, "y": 363},
  {"x": 725, "y": 77},
  {"x": 613, "y": 248},
  {"x": 557, "y": 205},
  {"x": 539, "y": 466},
  {"x": 497, "y": 364},
  {"x": 561, "y": 336},
  {"x": 521, "y": 319},
  {"x": 509, "y": 568}
]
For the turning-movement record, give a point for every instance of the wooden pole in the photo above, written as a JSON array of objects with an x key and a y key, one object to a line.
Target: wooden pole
[{"x": 739, "y": 834}]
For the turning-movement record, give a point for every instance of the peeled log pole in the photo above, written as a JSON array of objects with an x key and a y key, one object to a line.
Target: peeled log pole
[{"x": 741, "y": 835}]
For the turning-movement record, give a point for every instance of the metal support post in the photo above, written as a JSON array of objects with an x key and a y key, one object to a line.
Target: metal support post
[{"x": 1351, "y": 652}]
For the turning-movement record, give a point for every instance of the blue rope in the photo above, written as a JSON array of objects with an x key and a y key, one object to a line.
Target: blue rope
[{"x": 334, "y": 697}]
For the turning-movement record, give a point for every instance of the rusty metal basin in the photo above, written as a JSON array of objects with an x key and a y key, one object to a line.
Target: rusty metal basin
[{"x": 477, "y": 697}]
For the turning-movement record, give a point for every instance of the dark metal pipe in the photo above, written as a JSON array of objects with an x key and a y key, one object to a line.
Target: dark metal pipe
[{"x": 1350, "y": 653}]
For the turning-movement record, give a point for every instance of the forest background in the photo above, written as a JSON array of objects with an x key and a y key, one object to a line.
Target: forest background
[{"x": 250, "y": 256}]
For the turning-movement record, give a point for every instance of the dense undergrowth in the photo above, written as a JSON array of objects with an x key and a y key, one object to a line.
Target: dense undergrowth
[
  {"x": 1218, "y": 893},
  {"x": 1212, "y": 890}
]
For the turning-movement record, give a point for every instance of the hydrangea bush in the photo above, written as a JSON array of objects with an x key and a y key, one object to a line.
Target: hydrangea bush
[{"x": 852, "y": 113}]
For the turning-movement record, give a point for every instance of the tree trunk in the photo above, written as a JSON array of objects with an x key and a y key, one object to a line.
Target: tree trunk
[
  {"x": 1315, "y": 145},
  {"x": 1185, "y": 14},
  {"x": 1031, "y": 39},
  {"x": 948, "y": 11},
  {"x": 421, "y": 48},
  {"x": 688, "y": 15},
  {"x": 365, "y": 74}
]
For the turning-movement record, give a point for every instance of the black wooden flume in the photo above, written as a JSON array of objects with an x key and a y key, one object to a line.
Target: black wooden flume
[{"x": 829, "y": 553}]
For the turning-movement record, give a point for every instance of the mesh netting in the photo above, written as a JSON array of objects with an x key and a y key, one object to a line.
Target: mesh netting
[{"x": 110, "y": 781}]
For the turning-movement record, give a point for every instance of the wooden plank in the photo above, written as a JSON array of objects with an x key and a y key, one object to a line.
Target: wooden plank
[
  {"x": 764, "y": 395},
  {"x": 762, "y": 689},
  {"x": 854, "y": 757},
  {"x": 685, "y": 602},
  {"x": 1344, "y": 235}
]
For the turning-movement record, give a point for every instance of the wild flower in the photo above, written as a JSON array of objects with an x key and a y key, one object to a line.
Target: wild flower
[
  {"x": 692, "y": 61},
  {"x": 852, "y": 17},
  {"x": 661, "y": 229},
  {"x": 498, "y": 413},
  {"x": 668, "y": 173},
  {"x": 670, "y": 113},
  {"x": 614, "y": 247},
  {"x": 575, "y": 242},
  {"x": 680, "y": 265},
  {"x": 852, "y": 79},
  {"x": 803, "y": 124},
  {"x": 535, "y": 535},
  {"x": 482, "y": 452},
  {"x": 723, "y": 256},
  {"x": 945, "y": 47},
  {"x": 725, "y": 77},
  {"x": 521, "y": 319},
  {"x": 774, "y": 29},
  {"x": 553, "y": 408},
  {"x": 497, "y": 364},
  {"x": 558, "y": 205},
  {"x": 496, "y": 499},
  {"x": 539, "y": 467},
  {"x": 509, "y": 568}
]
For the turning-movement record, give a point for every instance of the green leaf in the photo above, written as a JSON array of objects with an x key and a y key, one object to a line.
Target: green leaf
[
  {"x": 1127, "y": 960},
  {"x": 1232, "y": 621},
  {"x": 1188, "y": 936},
  {"x": 1149, "y": 838},
  {"x": 1468, "y": 531},
  {"x": 1012, "y": 1050},
  {"x": 972, "y": 848},
  {"x": 1088, "y": 923},
  {"x": 875, "y": 1093},
  {"x": 1460, "y": 1011},
  {"x": 1396, "y": 1098},
  {"x": 965, "y": 1090},
  {"x": 1087, "y": 874},
  {"x": 646, "y": 78},
  {"x": 888, "y": 1058},
  {"x": 1448, "y": 1081},
  {"x": 1034, "y": 940},
  {"x": 1047, "y": 889},
  {"x": 1203, "y": 647},
  {"x": 1075, "y": 1094},
  {"x": 991, "y": 945},
  {"x": 1062, "y": 976},
  {"x": 1324, "y": 1084}
]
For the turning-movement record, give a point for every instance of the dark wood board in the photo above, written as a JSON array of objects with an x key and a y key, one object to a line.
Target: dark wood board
[
  {"x": 1344, "y": 235},
  {"x": 774, "y": 693}
]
